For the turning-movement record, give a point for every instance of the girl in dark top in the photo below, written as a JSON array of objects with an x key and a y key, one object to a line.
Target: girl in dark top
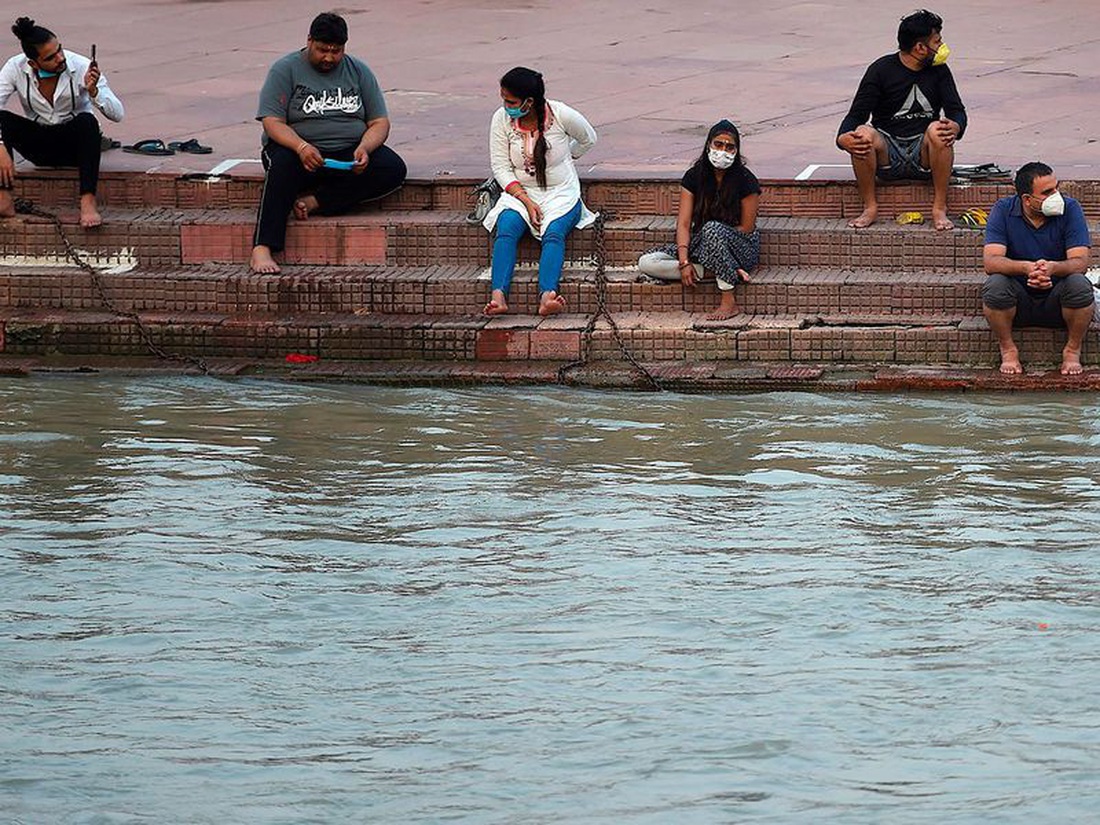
[{"x": 716, "y": 234}]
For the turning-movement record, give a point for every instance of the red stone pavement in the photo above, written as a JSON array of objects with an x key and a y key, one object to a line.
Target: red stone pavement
[{"x": 650, "y": 76}]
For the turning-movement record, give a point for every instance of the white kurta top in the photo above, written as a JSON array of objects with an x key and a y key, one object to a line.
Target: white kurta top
[
  {"x": 69, "y": 100},
  {"x": 511, "y": 156}
]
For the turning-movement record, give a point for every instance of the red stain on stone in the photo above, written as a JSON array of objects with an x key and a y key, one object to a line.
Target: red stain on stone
[{"x": 503, "y": 344}]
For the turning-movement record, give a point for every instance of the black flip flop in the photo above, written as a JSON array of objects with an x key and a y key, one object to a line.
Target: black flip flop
[
  {"x": 149, "y": 146},
  {"x": 106, "y": 144},
  {"x": 191, "y": 146},
  {"x": 983, "y": 172}
]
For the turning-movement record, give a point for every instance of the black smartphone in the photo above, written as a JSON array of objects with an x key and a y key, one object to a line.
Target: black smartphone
[{"x": 93, "y": 55}]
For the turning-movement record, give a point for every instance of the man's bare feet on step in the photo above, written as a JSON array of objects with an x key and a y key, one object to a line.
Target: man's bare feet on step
[
  {"x": 1071, "y": 362},
  {"x": 7, "y": 204},
  {"x": 940, "y": 220},
  {"x": 1010, "y": 362},
  {"x": 261, "y": 261},
  {"x": 865, "y": 218},
  {"x": 89, "y": 212},
  {"x": 303, "y": 207}
]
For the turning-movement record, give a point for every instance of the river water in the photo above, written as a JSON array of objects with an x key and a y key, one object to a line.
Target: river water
[{"x": 258, "y": 602}]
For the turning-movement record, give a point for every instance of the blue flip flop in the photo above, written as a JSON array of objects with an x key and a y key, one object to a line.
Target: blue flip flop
[{"x": 149, "y": 146}]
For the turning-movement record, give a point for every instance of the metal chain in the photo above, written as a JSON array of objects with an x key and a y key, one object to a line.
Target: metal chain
[
  {"x": 602, "y": 311},
  {"x": 27, "y": 207}
]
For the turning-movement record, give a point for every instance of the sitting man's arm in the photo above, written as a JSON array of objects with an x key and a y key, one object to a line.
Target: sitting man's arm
[
  {"x": 1076, "y": 262},
  {"x": 866, "y": 98},
  {"x": 378, "y": 129},
  {"x": 953, "y": 109},
  {"x": 281, "y": 132},
  {"x": 996, "y": 261},
  {"x": 995, "y": 252},
  {"x": 8, "y": 79}
]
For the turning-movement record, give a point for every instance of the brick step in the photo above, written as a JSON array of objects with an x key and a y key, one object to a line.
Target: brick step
[
  {"x": 671, "y": 336},
  {"x": 165, "y": 237},
  {"x": 464, "y": 289},
  {"x": 625, "y": 197}
]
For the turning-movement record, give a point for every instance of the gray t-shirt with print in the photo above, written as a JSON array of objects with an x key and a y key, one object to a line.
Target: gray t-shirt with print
[{"x": 329, "y": 109}]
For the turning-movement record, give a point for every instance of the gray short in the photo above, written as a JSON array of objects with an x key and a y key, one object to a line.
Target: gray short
[
  {"x": 904, "y": 158},
  {"x": 1034, "y": 307}
]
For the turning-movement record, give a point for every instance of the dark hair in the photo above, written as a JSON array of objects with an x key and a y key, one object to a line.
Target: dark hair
[
  {"x": 527, "y": 83},
  {"x": 31, "y": 36},
  {"x": 1026, "y": 175},
  {"x": 916, "y": 27},
  {"x": 329, "y": 27},
  {"x": 718, "y": 202}
]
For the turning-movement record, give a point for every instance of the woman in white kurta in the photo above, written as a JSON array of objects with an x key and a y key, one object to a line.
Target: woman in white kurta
[{"x": 532, "y": 145}]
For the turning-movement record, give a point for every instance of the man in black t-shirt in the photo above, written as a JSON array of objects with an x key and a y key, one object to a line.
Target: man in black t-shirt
[{"x": 916, "y": 116}]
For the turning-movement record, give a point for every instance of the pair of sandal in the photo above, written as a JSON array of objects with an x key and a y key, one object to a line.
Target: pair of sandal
[
  {"x": 974, "y": 218},
  {"x": 982, "y": 172},
  {"x": 156, "y": 147}
]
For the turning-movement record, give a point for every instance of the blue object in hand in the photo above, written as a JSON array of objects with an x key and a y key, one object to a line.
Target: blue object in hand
[{"x": 344, "y": 165}]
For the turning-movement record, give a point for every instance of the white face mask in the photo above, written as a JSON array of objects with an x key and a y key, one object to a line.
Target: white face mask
[
  {"x": 1054, "y": 205},
  {"x": 720, "y": 159}
]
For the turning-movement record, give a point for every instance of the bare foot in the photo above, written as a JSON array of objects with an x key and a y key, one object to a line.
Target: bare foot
[
  {"x": 940, "y": 220},
  {"x": 726, "y": 309},
  {"x": 497, "y": 305},
  {"x": 743, "y": 275},
  {"x": 261, "y": 261},
  {"x": 867, "y": 217},
  {"x": 7, "y": 205},
  {"x": 303, "y": 206},
  {"x": 1071, "y": 362},
  {"x": 551, "y": 303},
  {"x": 89, "y": 212},
  {"x": 1010, "y": 362}
]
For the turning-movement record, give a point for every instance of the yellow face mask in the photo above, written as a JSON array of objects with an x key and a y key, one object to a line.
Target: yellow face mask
[{"x": 942, "y": 53}]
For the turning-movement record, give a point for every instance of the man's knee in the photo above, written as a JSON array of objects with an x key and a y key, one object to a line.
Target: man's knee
[
  {"x": 867, "y": 132},
  {"x": 86, "y": 122},
  {"x": 1077, "y": 292},
  {"x": 933, "y": 139},
  {"x": 999, "y": 292},
  {"x": 385, "y": 172}
]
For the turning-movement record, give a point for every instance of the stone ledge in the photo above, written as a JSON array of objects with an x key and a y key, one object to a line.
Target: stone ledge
[
  {"x": 631, "y": 196},
  {"x": 684, "y": 378}
]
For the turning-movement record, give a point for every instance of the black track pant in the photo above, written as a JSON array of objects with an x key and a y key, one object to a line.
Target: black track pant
[
  {"x": 72, "y": 143},
  {"x": 336, "y": 191}
]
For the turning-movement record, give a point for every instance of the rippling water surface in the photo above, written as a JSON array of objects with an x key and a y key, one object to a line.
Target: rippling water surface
[{"x": 250, "y": 602}]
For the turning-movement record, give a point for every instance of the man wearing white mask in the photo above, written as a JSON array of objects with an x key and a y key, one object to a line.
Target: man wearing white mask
[
  {"x": 916, "y": 116},
  {"x": 1036, "y": 253}
]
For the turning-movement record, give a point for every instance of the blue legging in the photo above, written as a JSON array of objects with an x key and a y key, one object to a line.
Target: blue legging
[{"x": 511, "y": 227}]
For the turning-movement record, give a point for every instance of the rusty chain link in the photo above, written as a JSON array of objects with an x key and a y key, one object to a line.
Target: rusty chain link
[
  {"x": 27, "y": 207},
  {"x": 602, "y": 311}
]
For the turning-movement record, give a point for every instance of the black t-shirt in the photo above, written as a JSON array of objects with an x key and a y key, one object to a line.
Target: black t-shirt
[
  {"x": 742, "y": 184},
  {"x": 902, "y": 102}
]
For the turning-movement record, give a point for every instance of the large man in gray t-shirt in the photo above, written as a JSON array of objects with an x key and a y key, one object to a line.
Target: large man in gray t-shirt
[{"x": 319, "y": 104}]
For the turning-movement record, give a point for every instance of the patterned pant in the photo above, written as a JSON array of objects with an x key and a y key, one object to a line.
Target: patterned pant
[{"x": 720, "y": 249}]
